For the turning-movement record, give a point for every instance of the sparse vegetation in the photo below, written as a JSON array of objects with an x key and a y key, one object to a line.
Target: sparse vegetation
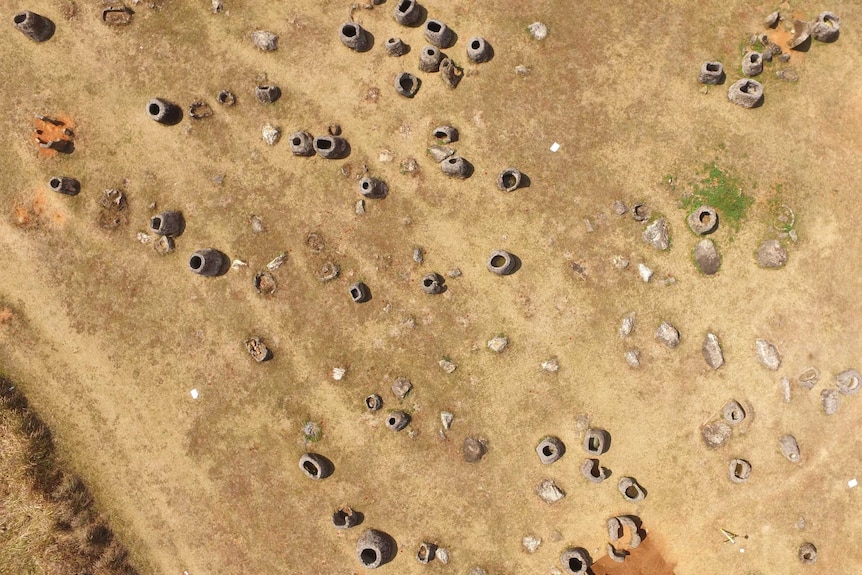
[
  {"x": 49, "y": 523},
  {"x": 721, "y": 191}
]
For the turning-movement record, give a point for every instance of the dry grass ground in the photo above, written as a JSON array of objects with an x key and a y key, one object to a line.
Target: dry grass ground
[{"x": 107, "y": 337}]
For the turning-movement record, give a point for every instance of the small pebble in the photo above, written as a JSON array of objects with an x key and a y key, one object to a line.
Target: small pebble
[
  {"x": 454, "y": 273},
  {"x": 551, "y": 365},
  {"x": 498, "y": 343},
  {"x": 447, "y": 365},
  {"x": 418, "y": 255},
  {"x": 633, "y": 358},
  {"x": 538, "y": 30},
  {"x": 360, "y": 207},
  {"x": 446, "y": 419},
  {"x": 644, "y": 272}
]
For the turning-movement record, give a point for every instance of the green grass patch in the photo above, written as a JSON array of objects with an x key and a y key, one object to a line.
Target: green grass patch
[{"x": 721, "y": 191}]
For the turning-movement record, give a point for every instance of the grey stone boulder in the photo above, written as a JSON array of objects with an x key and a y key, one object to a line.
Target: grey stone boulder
[
  {"x": 657, "y": 234},
  {"x": 771, "y": 254},
  {"x": 715, "y": 434},
  {"x": 706, "y": 257},
  {"x": 830, "y": 400},
  {"x": 767, "y": 354},
  {"x": 548, "y": 491},
  {"x": 667, "y": 334},
  {"x": 266, "y": 41},
  {"x": 712, "y": 351},
  {"x": 789, "y": 448}
]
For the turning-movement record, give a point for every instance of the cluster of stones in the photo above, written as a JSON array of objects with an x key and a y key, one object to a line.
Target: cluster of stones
[{"x": 747, "y": 92}]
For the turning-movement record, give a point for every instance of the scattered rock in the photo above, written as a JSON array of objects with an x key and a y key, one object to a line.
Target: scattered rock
[
  {"x": 446, "y": 419},
  {"x": 752, "y": 63},
  {"x": 619, "y": 262},
  {"x": 257, "y": 349},
  {"x": 531, "y": 543},
  {"x": 772, "y": 20},
  {"x": 538, "y": 30},
  {"x": 498, "y": 343},
  {"x": 631, "y": 490},
  {"x": 784, "y": 386},
  {"x": 409, "y": 166},
  {"x": 848, "y": 382},
  {"x": 454, "y": 273},
  {"x": 645, "y": 272},
  {"x": 712, "y": 351},
  {"x": 787, "y": 74},
  {"x": 276, "y": 262},
  {"x": 522, "y": 70},
  {"x": 442, "y": 555},
  {"x": 418, "y": 255},
  {"x": 706, "y": 257},
  {"x": 164, "y": 245},
  {"x": 633, "y": 358},
  {"x": 667, "y": 334},
  {"x": 270, "y": 134},
  {"x": 789, "y": 448},
  {"x": 620, "y": 208},
  {"x": 767, "y": 354},
  {"x": 830, "y": 400},
  {"x": 551, "y": 365},
  {"x": 657, "y": 234},
  {"x": 447, "y": 365},
  {"x": 264, "y": 283},
  {"x": 266, "y": 41},
  {"x": 338, "y": 373},
  {"x": 440, "y": 153},
  {"x": 401, "y": 387},
  {"x": 473, "y": 449},
  {"x": 478, "y": 571},
  {"x": 640, "y": 212},
  {"x": 715, "y": 433},
  {"x": 548, "y": 491},
  {"x": 360, "y": 207},
  {"x": 627, "y": 325}
]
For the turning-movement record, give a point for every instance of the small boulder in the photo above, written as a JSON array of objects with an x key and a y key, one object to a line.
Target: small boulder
[
  {"x": 657, "y": 234},
  {"x": 712, "y": 351},
  {"x": 473, "y": 449},
  {"x": 667, "y": 334},
  {"x": 266, "y": 41},
  {"x": 270, "y": 134},
  {"x": 706, "y": 257},
  {"x": 538, "y": 30},
  {"x": 767, "y": 354},
  {"x": 498, "y": 343},
  {"x": 715, "y": 433},
  {"x": 772, "y": 20},
  {"x": 789, "y": 448},
  {"x": 548, "y": 491},
  {"x": 830, "y": 400},
  {"x": 771, "y": 254},
  {"x": 401, "y": 387},
  {"x": 440, "y": 153}
]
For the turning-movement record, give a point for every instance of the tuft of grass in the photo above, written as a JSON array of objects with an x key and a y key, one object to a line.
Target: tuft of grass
[{"x": 721, "y": 191}]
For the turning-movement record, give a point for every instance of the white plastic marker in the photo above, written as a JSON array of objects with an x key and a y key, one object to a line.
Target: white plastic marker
[
  {"x": 852, "y": 483},
  {"x": 554, "y": 147},
  {"x": 194, "y": 393}
]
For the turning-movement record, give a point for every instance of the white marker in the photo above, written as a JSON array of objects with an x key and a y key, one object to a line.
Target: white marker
[
  {"x": 194, "y": 393},
  {"x": 554, "y": 147}
]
